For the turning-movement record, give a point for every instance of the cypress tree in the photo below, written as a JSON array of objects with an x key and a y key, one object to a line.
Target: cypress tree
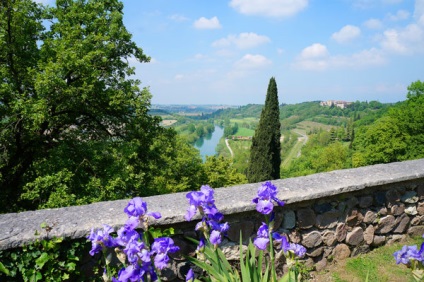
[{"x": 265, "y": 153}]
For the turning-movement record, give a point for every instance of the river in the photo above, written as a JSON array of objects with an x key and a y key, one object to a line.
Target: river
[{"x": 207, "y": 144}]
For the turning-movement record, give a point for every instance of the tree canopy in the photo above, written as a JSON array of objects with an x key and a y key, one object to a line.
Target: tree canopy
[
  {"x": 74, "y": 124},
  {"x": 397, "y": 136}
]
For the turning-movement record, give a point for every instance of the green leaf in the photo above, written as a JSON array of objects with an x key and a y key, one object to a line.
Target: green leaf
[
  {"x": 4, "y": 269},
  {"x": 38, "y": 276},
  {"x": 42, "y": 260}
]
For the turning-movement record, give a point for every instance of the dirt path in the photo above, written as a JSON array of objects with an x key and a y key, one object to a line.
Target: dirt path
[
  {"x": 296, "y": 149},
  {"x": 229, "y": 148}
]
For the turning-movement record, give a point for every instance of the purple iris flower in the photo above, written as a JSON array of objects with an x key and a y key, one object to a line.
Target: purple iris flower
[
  {"x": 286, "y": 246},
  {"x": 203, "y": 200},
  {"x": 101, "y": 238},
  {"x": 133, "y": 250},
  {"x": 136, "y": 207},
  {"x": 402, "y": 256},
  {"x": 216, "y": 237},
  {"x": 161, "y": 247},
  {"x": 190, "y": 276},
  {"x": 132, "y": 273},
  {"x": 221, "y": 227},
  {"x": 266, "y": 194},
  {"x": 201, "y": 246},
  {"x": 408, "y": 253},
  {"x": 262, "y": 239},
  {"x": 125, "y": 235}
]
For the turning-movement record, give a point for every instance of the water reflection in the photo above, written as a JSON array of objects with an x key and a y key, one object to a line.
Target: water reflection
[{"x": 207, "y": 144}]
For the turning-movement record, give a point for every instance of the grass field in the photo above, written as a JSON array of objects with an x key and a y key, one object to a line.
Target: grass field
[
  {"x": 310, "y": 125},
  {"x": 379, "y": 265},
  {"x": 302, "y": 129},
  {"x": 168, "y": 122},
  {"x": 241, "y": 120},
  {"x": 242, "y": 131}
]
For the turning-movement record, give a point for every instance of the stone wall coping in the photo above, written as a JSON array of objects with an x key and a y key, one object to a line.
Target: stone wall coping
[{"x": 76, "y": 222}]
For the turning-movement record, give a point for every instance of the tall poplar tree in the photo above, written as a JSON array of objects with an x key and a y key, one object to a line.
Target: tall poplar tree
[{"x": 265, "y": 155}]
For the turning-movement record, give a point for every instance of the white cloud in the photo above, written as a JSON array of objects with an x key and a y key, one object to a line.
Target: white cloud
[
  {"x": 399, "y": 16},
  {"x": 269, "y": 8},
  {"x": 346, "y": 34},
  {"x": 316, "y": 50},
  {"x": 406, "y": 41},
  {"x": 419, "y": 11},
  {"x": 242, "y": 41},
  {"x": 250, "y": 61},
  {"x": 364, "y": 58},
  {"x": 200, "y": 56},
  {"x": 373, "y": 24},
  {"x": 248, "y": 64},
  {"x": 178, "y": 76},
  {"x": 204, "y": 23},
  {"x": 392, "y": 42},
  {"x": 317, "y": 58},
  {"x": 366, "y": 4},
  {"x": 178, "y": 18}
]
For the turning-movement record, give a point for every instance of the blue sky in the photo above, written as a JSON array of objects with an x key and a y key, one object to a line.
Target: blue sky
[{"x": 224, "y": 52}]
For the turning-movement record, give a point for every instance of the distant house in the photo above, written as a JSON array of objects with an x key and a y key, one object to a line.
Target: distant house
[
  {"x": 339, "y": 104},
  {"x": 241, "y": 137}
]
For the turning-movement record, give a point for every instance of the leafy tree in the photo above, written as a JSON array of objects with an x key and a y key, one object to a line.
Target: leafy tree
[
  {"x": 74, "y": 127},
  {"x": 220, "y": 172},
  {"x": 397, "y": 136},
  {"x": 265, "y": 153},
  {"x": 382, "y": 142},
  {"x": 178, "y": 166}
]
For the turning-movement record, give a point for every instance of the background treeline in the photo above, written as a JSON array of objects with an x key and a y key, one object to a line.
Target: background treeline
[{"x": 319, "y": 138}]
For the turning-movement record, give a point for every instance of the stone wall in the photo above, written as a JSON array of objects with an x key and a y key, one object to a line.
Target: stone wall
[{"x": 334, "y": 215}]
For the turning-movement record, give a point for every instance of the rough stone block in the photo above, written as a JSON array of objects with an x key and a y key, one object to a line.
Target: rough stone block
[
  {"x": 329, "y": 237},
  {"x": 311, "y": 239},
  {"x": 244, "y": 227},
  {"x": 341, "y": 232},
  {"x": 410, "y": 197},
  {"x": 386, "y": 224},
  {"x": 402, "y": 223},
  {"x": 327, "y": 220},
  {"x": 370, "y": 217},
  {"x": 355, "y": 218},
  {"x": 341, "y": 251},
  {"x": 369, "y": 234},
  {"x": 415, "y": 231},
  {"x": 420, "y": 208},
  {"x": 355, "y": 237},
  {"x": 378, "y": 240},
  {"x": 365, "y": 202},
  {"x": 306, "y": 218},
  {"x": 397, "y": 209},
  {"x": 289, "y": 220}
]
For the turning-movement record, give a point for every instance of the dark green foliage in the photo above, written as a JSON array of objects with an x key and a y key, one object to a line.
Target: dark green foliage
[
  {"x": 47, "y": 260},
  {"x": 397, "y": 136},
  {"x": 193, "y": 130},
  {"x": 74, "y": 126},
  {"x": 265, "y": 155},
  {"x": 220, "y": 172}
]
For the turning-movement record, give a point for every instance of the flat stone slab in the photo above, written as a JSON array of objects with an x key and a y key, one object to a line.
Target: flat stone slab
[{"x": 76, "y": 222}]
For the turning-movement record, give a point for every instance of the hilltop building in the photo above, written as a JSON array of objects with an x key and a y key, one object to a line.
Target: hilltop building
[{"x": 339, "y": 104}]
